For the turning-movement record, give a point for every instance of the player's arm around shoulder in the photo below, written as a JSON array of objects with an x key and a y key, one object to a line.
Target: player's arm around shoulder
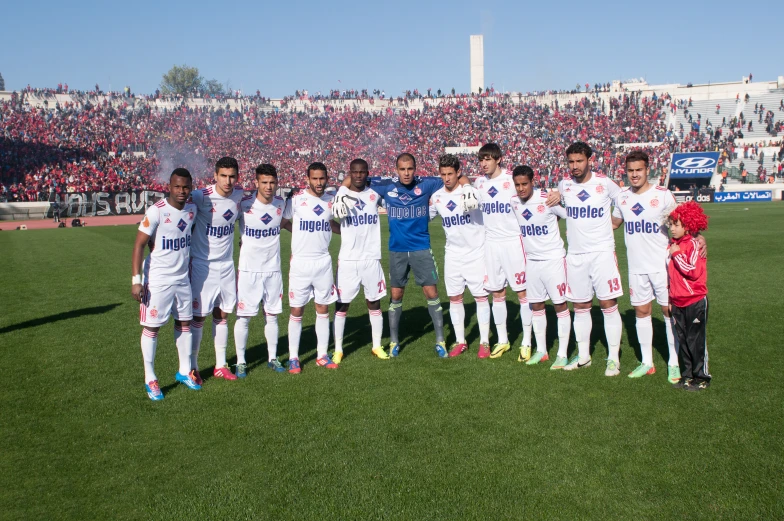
[
  {"x": 554, "y": 196},
  {"x": 288, "y": 213}
]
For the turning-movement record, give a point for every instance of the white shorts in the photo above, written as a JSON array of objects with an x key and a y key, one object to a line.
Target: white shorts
[
  {"x": 214, "y": 285},
  {"x": 505, "y": 263},
  {"x": 254, "y": 287},
  {"x": 368, "y": 273},
  {"x": 311, "y": 279},
  {"x": 643, "y": 287},
  {"x": 159, "y": 302},
  {"x": 546, "y": 278},
  {"x": 459, "y": 274},
  {"x": 589, "y": 273}
]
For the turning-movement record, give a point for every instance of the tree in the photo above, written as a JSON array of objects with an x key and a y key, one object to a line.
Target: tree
[
  {"x": 182, "y": 80},
  {"x": 212, "y": 87}
]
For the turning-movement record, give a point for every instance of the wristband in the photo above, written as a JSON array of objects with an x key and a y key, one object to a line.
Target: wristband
[{"x": 136, "y": 279}]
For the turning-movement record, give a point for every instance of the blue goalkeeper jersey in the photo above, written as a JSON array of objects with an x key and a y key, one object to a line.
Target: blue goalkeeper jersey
[{"x": 407, "y": 209}]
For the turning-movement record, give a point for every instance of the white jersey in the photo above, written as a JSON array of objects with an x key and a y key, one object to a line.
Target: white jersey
[
  {"x": 213, "y": 234},
  {"x": 260, "y": 229},
  {"x": 539, "y": 227},
  {"x": 311, "y": 230},
  {"x": 495, "y": 196},
  {"x": 588, "y": 218},
  {"x": 646, "y": 238},
  {"x": 360, "y": 232},
  {"x": 170, "y": 243},
  {"x": 465, "y": 231}
]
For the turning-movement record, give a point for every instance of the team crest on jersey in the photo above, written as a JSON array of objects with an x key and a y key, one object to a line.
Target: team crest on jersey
[
  {"x": 654, "y": 203},
  {"x": 506, "y": 185},
  {"x": 265, "y": 218},
  {"x": 318, "y": 210},
  {"x": 329, "y": 205},
  {"x": 291, "y": 294},
  {"x": 190, "y": 216},
  {"x": 405, "y": 198},
  {"x": 228, "y": 215},
  {"x": 153, "y": 312},
  {"x": 195, "y": 304},
  {"x": 182, "y": 225},
  {"x": 360, "y": 204},
  {"x": 583, "y": 195},
  {"x": 599, "y": 189},
  {"x": 417, "y": 191},
  {"x": 492, "y": 192},
  {"x": 451, "y": 205},
  {"x": 279, "y": 212},
  {"x": 167, "y": 221},
  {"x": 638, "y": 209},
  {"x": 540, "y": 208},
  {"x": 372, "y": 197},
  {"x": 527, "y": 214},
  {"x": 241, "y": 305}
]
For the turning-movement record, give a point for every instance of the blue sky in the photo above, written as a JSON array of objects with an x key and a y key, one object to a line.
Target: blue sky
[{"x": 282, "y": 46}]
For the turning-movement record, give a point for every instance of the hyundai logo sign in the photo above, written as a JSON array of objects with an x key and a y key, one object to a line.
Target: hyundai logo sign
[{"x": 693, "y": 164}]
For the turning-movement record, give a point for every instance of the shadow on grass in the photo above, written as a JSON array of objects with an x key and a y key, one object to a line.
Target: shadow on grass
[
  {"x": 67, "y": 315},
  {"x": 659, "y": 335}
]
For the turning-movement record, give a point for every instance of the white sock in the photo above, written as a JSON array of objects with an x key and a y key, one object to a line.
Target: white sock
[
  {"x": 197, "y": 328},
  {"x": 483, "y": 317},
  {"x": 457, "y": 314},
  {"x": 499, "y": 316},
  {"x": 645, "y": 337},
  {"x": 672, "y": 342},
  {"x": 322, "y": 334},
  {"x": 582, "y": 332},
  {"x": 184, "y": 342},
  {"x": 220, "y": 337},
  {"x": 613, "y": 327},
  {"x": 271, "y": 334},
  {"x": 149, "y": 346},
  {"x": 295, "y": 331},
  {"x": 376, "y": 326},
  {"x": 526, "y": 316},
  {"x": 340, "y": 326},
  {"x": 241, "y": 337},
  {"x": 564, "y": 330},
  {"x": 539, "y": 324}
]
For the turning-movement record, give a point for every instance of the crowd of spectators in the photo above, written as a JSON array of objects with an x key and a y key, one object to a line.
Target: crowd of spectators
[{"x": 108, "y": 143}]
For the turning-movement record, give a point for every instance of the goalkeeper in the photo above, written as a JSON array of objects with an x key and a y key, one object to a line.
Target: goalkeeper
[{"x": 406, "y": 201}]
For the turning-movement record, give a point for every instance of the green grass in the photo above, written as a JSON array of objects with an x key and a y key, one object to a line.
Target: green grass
[{"x": 413, "y": 438}]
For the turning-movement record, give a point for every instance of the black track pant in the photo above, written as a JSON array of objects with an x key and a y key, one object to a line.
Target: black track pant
[{"x": 690, "y": 325}]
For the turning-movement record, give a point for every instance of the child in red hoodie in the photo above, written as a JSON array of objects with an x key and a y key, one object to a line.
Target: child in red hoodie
[{"x": 688, "y": 276}]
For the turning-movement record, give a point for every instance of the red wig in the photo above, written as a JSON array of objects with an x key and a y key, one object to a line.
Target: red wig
[{"x": 691, "y": 217}]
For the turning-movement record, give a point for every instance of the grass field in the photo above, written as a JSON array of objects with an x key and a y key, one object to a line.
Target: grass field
[{"x": 413, "y": 438}]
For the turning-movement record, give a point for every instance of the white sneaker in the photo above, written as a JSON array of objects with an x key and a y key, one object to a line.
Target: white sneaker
[
  {"x": 576, "y": 363},
  {"x": 613, "y": 369}
]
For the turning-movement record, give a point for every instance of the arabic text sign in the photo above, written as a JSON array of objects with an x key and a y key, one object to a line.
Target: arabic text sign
[
  {"x": 692, "y": 165},
  {"x": 744, "y": 197}
]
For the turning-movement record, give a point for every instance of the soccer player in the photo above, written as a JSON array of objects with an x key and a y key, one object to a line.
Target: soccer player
[
  {"x": 464, "y": 257},
  {"x": 545, "y": 263},
  {"x": 409, "y": 242},
  {"x": 591, "y": 266},
  {"x": 310, "y": 268},
  {"x": 259, "y": 278},
  {"x": 164, "y": 289},
  {"x": 504, "y": 250},
  {"x": 644, "y": 209},
  {"x": 359, "y": 260},
  {"x": 212, "y": 262},
  {"x": 688, "y": 275}
]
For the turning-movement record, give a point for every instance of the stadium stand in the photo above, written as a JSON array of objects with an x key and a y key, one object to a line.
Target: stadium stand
[{"x": 60, "y": 140}]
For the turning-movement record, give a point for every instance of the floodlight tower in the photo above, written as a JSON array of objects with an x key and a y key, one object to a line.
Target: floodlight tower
[{"x": 477, "y": 43}]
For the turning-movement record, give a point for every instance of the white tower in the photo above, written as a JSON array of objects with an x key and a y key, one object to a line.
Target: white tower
[{"x": 477, "y": 62}]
